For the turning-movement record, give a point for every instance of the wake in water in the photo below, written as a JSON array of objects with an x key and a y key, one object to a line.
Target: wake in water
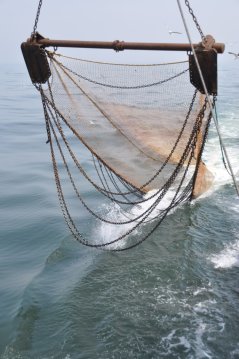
[
  {"x": 106, "y": 232},
  {"x": 228, "y": 257},
  {"x": 213, "y": 155}
]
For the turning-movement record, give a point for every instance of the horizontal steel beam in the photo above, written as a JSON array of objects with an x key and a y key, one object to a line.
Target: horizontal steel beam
[{"x": 121, "y": 45}]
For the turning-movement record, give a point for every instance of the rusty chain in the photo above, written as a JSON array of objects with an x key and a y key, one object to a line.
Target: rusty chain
[
  {"x": 203, "y": 140},
  {"x": 165, "y": 162},
  {"x": 132, "y": 191},
  {"x": 120, "y": 87},
  {"x": 36, "y": 19},
  {"x": 179, "y": 197},
  {"x": 194, "y": 19},
  {"x": 70, "y": 222},
  {"x": 186, "y": 158}
]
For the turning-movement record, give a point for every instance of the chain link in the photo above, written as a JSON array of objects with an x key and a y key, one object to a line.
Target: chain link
[
  {"x": 179, "y": 173},
  {"x": 70, "y": 222},
  {"x": 53, "y": 117},
  {"x": 117, "y": 86},
  {"x": 134, "y": 190},
  {"x": 37, "y": 18},
  {"x": 194, "y": 19},
  {"x": 199, "y": 156},
  {"x": 189, "y": 151}
]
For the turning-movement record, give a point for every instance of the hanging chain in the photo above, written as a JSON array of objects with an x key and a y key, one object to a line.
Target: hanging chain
[
  {"x": 161, "y": 82},
  {"x": 199, "y": 155},
  {"x": 37, "y": 18},
  {"x": 194, "y": 19},
  {"x": 189, "y": 151},
  {"x": 109, "y": 193}
]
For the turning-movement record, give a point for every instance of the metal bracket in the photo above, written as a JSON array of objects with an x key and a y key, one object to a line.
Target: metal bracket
[
  {"x": 36, "y": 60},
  {"x": 207, "y": 59},
  {"x": 208, "y": 42},
  {"x": 118, "y": 45}
]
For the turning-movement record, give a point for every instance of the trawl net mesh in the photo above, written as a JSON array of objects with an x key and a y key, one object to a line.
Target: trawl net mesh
[
  {"x": 129, "y": 115},
  {"x": 145, "y": 126}
]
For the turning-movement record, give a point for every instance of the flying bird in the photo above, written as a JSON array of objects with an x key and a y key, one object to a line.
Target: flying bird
[
  {"x": 174, "y": 32},
  {"x": 236, "y": 55}
]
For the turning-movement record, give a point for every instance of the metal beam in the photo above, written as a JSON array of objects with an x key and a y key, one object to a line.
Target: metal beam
[{"x": 121, "y": 45}]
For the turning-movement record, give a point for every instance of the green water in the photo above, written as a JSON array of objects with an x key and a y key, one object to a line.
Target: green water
[{"x": 175, "y": 296}]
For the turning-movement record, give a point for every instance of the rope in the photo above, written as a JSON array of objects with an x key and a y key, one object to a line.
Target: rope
[
  {"x": 108, "y": 118},
  {"x": 223, "y": 156},
  {"x": 77, "y": 192},
  {"x": 70, "y": 222},
  {"x": 151, "y": 179},
  {"x": 109, "y": 183},
  {"x": 121, "y": 87},
  {"x": 209, "y": 100},
  {"x": 109, "y": 187},
  {"x": 50, "y": 53}
]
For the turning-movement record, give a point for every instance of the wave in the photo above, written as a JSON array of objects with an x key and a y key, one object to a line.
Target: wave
[
  {"x": 228, "y": 257},
  {"x": 106, "y": 232}
]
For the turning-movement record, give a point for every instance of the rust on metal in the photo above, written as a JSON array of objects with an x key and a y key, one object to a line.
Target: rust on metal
[
  {"x": 36, "y": 62},
  {"x": 39, "y": 71},
  {"x": 122, "y": 45},
  {"x": 207, "y": 60}
]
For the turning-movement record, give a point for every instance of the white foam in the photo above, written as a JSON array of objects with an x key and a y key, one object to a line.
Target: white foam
[
  {"x": 228, "y": 257},
  {"x": 201, "y": 352},
  {"x": 107, "y": 232},
  {"x": 203, "y": 307},
  {"x": 200, "y": 291},
  {"x": 213, "y": 155},
  {"x": 173, "y": 341}
]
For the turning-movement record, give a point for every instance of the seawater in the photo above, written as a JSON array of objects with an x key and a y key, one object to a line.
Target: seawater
[{"x": 174, "y": 296}]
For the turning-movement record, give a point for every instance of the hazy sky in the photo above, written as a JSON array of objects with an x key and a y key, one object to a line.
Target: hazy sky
[{"x": 128, "y": 20}]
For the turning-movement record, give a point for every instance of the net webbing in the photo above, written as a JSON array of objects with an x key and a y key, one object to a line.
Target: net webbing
[{"x": 145, "y": 127}]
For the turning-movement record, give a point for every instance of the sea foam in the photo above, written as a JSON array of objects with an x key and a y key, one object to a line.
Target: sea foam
[{"x": 228, "y": 257}]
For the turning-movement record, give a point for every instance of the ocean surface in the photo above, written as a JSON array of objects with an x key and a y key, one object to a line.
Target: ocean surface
[{"x": 174, "y": 296}]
